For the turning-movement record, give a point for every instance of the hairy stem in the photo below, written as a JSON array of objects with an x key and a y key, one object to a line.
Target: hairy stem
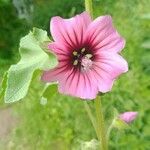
[
  {"x": 100, "y": 124},
  {"x": 88, "y": 7}
]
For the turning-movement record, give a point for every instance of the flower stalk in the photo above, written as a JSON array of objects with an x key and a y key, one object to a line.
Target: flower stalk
[
  {"x": 88, "y": 7},
  {"x": 100, "y": 124}
]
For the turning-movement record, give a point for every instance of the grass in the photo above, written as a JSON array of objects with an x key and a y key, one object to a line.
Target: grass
[{"x": 63, "y": 123}]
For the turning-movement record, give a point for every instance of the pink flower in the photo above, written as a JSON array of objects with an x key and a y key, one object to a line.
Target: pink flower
[
  {"x": 128, "y": 116},
  {"x": 87, "y": 53}
]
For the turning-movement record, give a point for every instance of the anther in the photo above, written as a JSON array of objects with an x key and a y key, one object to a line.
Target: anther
[
  {"x": 83, "y": 50},
  {"x": 75, "y": 62},
  {"x": 75, "y": 53},
  {"x": 88, "y": 56}
]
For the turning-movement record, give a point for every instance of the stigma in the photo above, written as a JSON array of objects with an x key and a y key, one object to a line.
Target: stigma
[{"x": 86, "y": 63}]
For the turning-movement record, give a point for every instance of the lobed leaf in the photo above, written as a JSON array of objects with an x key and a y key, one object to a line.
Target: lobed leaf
[{"x": 33, "y": 57}]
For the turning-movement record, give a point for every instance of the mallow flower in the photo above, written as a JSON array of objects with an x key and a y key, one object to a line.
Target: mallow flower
[
  {"x": 128, "y": 116},
  {"x": 88, "y": 55}
]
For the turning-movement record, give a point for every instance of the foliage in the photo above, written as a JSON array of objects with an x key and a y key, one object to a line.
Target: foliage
[{"x": 32, "y": 58}]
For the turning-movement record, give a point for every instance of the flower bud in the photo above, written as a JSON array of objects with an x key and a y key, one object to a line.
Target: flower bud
[{"x": 128, "y": 116}]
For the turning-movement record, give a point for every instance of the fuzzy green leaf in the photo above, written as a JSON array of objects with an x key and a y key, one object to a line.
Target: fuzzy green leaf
[
  {"x": 33, "y": 57},
  {"x": 120, "y": 125},
  {"x": 3, "y": 85}
]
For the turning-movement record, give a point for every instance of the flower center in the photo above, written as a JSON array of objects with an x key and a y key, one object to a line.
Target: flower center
[
  {"x": 82, "y": 59},
  {"x": 86, "y": 63}
]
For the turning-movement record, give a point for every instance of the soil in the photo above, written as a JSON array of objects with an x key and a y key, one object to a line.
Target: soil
[{"x": 8, "y": 122}]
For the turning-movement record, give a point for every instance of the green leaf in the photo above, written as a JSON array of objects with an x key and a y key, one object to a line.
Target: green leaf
[
  {"x": 3, "y": 85},
  {"x": 120, "y": 125},
  {"x": 50, "y": 91},
  {"x": 32, "y": 58}
]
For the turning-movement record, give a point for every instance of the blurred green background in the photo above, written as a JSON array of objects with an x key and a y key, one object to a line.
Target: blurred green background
[{"x": 62, "y": 123}]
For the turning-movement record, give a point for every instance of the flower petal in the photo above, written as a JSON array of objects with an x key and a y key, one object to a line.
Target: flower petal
[
  {"x": 103, "y": 36},
  {"x": 60, "y": 50},
  {"x": 55, "y": 74},
  {"x": 107, "y": 68},
  {"x": 78, "y": 84},
  {"x": 72, "y": 82},
  {"x": 103, "y": 82},
  {"x": 69, "y": 32}
]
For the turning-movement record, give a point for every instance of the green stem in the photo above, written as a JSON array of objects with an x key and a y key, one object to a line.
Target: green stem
[
  {"x": 100, "y": 124},
  {"x": 93, "y": 121},
  {"x": 88, "y": 7},
  {"x": 109, "y": 130}
]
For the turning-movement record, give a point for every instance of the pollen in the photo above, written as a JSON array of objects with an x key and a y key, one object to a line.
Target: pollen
[
  {"x": 88, "y": 56},
  {"x": 75, "y": 62},
  {"x": 83, "y": 50},
  {"x": 75, "y": 53}
]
